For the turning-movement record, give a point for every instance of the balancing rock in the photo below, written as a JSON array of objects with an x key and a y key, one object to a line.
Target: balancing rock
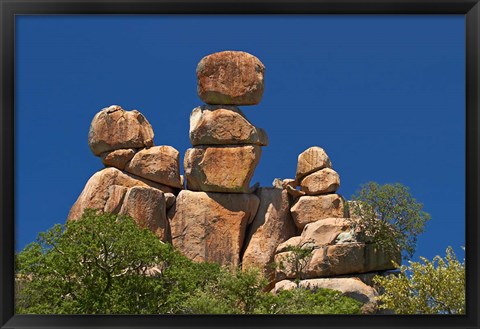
[
  {"x": 230, "y": 78},
  {"x": 114, "y": 128},
  {"x": 223, "y": 125},
  {"x": 323, "y": 181}
]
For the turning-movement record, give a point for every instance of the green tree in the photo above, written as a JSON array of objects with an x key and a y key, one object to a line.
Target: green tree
[
  {"x": 296, "y": 259},
  {"x": 231, "y": 293},
  {"x": 305, "y": 301},
  {"x": 104, "y": 264},
  {"x": 433, "y": 287},
  {"x": 243, "y": 293},
  {"x": 389, "y": 216}
]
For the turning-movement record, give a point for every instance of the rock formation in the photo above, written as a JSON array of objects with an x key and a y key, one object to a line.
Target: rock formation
[{"x": 219, "y": 217}]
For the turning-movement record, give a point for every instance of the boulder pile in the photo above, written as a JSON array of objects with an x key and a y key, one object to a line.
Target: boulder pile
[{"x": 214, "y": 215}]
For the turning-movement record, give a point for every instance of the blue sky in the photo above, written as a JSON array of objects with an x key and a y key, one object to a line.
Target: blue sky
[{"x": 383, "y": 95}]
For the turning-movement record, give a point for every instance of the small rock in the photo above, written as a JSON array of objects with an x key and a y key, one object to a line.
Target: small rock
[
  {"x": 169, "y": 200},
  {"x": 117, "y": 158},
  {"x": 294, "y": 192},
  {"x": 230, "y": 78}
]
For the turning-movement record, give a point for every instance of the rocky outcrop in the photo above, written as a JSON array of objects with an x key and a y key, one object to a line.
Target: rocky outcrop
[
  {"x": 159, "y": 164},
  {"x": 103, "y": 191},
  {"x": 331, "y": 256},
  {"x": 217, "y": 218},
  {"x": 114, "y": 128},
  {"x": 230, "y": 78},
  {"x": 211, "y": 226},
  {"x": 271, "y": 226},
  {"x": 223, "y": 125}
]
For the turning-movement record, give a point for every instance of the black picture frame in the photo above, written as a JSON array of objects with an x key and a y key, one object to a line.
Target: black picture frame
[{"x": 11, "y": 8}]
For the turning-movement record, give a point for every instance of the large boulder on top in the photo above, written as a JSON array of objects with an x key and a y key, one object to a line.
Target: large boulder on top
[
  {"x": 146, "y": 206},
  {"x": 159, "y": 164},
  {"x": 271, "y": 226},
  {"x": 223, "y": 125},
  {"x": 310, "y": 209},
  {"x": 323, "y": 181},
  {"x": 210, "y": 227},
  {"x": 311, "y": 160},
  {"x": 230, "y": 78},
  {"x": 114, "y": 128},
  {"x": 221, "y": 169},
  {"x": 99, "y": 194}
]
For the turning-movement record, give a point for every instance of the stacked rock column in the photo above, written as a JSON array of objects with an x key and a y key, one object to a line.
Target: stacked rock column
[
  {"x": 210, "y": 217},
  {"x": 140, "y": 179},
  {"x": 341, "y": 258}
]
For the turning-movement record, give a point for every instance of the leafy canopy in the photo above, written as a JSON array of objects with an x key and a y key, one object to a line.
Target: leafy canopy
[
  {"x": 106, "y": 264},
  {"x": 390, "y": 216},
  {"x": 434, "y": 287}
]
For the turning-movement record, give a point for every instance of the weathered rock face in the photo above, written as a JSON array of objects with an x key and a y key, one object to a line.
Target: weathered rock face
[
  {"x": 223, "y": 125},
  {"x": 114, "y": 128},
  {"x": 272, "y": 225},
  {"x": 332, "y": 253},
  {"x": 333, "y": 260},
  {"x": 146, "y": 206},
  {"x": 159, "y": 164},
  {"x": 98, "y": 194},
  {"x": 221, "y": 169},
  {"x": 323, "y": 181},
  {"x": 349, "y": 287},
  {"x": 230, "y": 78},
  {"x": 117, "y": 158},
  {"x": 116, "y": 195},
  {"x": 211, "y": 226},
  {"x": 325, "y": 261},
  {"x": 309, "y": 209},
  {"x": 322, "y": 232},
  {"x": 311, "y": 160}
]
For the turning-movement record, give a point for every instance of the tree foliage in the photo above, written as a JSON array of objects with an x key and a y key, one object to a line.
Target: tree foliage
[
  {"x": 106, "y": 264},
  {"x": 433, "y": 287},
  {"x": 296, "y": 259},
  {"x": 390, "y": 216},
  {"x": 99, "y": 265}
]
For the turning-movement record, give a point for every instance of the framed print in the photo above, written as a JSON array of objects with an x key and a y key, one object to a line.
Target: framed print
[{"x": 222, "y": 164}]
